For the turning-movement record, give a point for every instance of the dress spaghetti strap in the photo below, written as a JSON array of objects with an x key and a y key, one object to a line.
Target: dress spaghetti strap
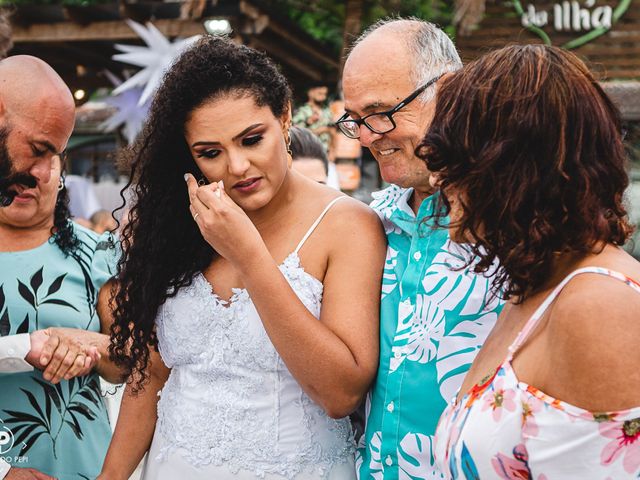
[
  {"x": 317, "y": 222},
  {"x": 532, "y": 323}
]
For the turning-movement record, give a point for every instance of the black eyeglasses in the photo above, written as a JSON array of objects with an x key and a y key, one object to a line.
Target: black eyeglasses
[{"x": 379, "y": 122}]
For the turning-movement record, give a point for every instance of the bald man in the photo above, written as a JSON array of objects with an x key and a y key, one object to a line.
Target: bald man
[
  {"x": 433, "y": 319},
  {"x": 37, "y": 114}
]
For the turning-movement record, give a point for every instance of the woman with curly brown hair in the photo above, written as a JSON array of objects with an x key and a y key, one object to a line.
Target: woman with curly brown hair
[
  {"x": 262, "y": 301},
  {"x": 527, "y": 152}
]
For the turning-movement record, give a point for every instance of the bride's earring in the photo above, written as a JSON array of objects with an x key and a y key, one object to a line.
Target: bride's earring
[
  {"x": 287, "y": 139},
  {"x": 61, "y": 184}
]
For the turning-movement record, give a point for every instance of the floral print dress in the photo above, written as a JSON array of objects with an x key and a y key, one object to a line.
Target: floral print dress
[
  {"x": 506, "y": 429},
  {"x": 62, "y": 430}
]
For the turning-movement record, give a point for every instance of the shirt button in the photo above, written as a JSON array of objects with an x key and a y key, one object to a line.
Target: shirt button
[
  {"x": 397, "y": 354},
  {"x": 417, "y": 256},
  {"x": 388, "y": 460},
  {"x": 11, "y": 351},
  {"x": 390, "y": 408}
]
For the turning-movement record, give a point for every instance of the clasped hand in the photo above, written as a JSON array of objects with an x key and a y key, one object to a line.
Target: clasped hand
[{"x": 61, "y": 354}]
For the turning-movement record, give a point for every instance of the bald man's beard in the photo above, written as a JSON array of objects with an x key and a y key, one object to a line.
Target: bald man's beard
[
  {"x": 9, "y": 178},
  {"x": 5, "y": 161}
]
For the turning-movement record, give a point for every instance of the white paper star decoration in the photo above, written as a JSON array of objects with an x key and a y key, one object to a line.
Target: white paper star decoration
[
  {"x": 154, "y": 59},
  {"x": 130, "y": 115}
]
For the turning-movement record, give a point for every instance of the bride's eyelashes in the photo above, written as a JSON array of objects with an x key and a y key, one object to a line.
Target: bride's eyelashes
[
  {"x": 247, "y": 142},
  {"x": 252, "y": 140},
  {"x": 213, "y": 153}
]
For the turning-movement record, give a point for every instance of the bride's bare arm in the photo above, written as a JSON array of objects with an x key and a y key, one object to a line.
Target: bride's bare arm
[
  {"x": 335, "y": 359},
  {"x": 136, "y": 424}
]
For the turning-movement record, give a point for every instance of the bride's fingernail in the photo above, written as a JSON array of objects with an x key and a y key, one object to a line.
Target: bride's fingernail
[
  {"x": 186, "y": 177},
  {"x": 221, "y": 185}
]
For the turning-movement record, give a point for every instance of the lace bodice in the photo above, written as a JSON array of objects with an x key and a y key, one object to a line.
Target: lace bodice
[{"x": 230, "y": 399}]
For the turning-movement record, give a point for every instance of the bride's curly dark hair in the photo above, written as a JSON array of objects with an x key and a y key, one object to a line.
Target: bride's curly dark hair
[
  {"x": 530, "y": 147},
  {"x": 162, "y": 246}
]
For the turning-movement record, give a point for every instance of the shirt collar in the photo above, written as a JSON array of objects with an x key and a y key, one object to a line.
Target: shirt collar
[{"x": 392, "y": 205}]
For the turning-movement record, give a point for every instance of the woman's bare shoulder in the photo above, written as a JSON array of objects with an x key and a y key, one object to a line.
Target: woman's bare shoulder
[
  {"x": 593, "y": 330},
  {"x": 347, "y": 210},
  {"x": 349, "y": 226},
  {"x": 350, "y": 214}
]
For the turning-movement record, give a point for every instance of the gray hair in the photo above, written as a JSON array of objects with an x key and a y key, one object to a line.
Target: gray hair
[{"x": 432, "y": 50}]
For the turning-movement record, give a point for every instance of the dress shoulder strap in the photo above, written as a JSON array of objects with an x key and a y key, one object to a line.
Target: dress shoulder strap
[
  {"x": 532, "y": 323},
  {"x": 317, "y": 222}
]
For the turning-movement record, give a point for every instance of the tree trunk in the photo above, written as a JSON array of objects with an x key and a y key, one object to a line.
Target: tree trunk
[
  {"x": 468, "y": 14},
  {"x": 352, "y": 27},
  {"x": 5, "y": 34},
  {"x": 192, "y": 9}
]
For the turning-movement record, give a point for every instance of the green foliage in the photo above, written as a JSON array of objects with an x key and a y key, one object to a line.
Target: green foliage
[
  {"x": 324, "y": 19},
  {"x": 53, "y": 2}
]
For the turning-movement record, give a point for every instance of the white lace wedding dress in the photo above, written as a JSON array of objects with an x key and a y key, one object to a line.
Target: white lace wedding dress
[{"x": 230, "y": 408}]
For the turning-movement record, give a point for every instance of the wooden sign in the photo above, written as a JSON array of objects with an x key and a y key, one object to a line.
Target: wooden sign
[
  {"x": 587, "y": 19},
  {"x": 612, "y": 52}
]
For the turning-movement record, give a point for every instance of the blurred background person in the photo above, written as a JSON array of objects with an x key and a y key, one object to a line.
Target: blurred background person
[
  {"x": 345, "y": 154},
  {"x": 316, "y": 116},
  {"x": 310, "y": 158},
  {"x": 83, "y": 201},
  {"x": 5, "y": 34},
  {"x": 103, "y": 221}
]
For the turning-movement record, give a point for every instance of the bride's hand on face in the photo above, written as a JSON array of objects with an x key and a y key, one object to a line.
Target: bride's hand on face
[{"x": 222, "y": 223}]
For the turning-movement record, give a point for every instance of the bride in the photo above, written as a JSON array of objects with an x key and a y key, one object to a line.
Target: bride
[{"x": 258, "y": 287}]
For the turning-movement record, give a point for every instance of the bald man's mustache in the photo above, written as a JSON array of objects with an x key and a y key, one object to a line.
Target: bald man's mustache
[{"x": 7, "y": 194}]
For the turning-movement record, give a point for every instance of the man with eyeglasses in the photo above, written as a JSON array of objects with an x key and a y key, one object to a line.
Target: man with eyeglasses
[
  {"x": 434, "y": 319},
  {"x": 37, "y": 114}
]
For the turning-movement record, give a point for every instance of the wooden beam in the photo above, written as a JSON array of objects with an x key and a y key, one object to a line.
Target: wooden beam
[
  {"x": 110, "y": 30},
  {"x": 91, "y": 56},
  {"x": 333, "y": 62},
  {"x": 281, "y": 54},
  {"x": 252, "y": 12}
]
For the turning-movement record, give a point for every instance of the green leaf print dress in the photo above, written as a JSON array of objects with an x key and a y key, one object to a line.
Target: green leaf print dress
[{"x": 62, "y": 430}]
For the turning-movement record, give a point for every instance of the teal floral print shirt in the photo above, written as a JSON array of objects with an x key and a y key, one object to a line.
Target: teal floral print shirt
[
  {"x": 61, "y": 430},
  {"x": 433, "y": 321}
]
